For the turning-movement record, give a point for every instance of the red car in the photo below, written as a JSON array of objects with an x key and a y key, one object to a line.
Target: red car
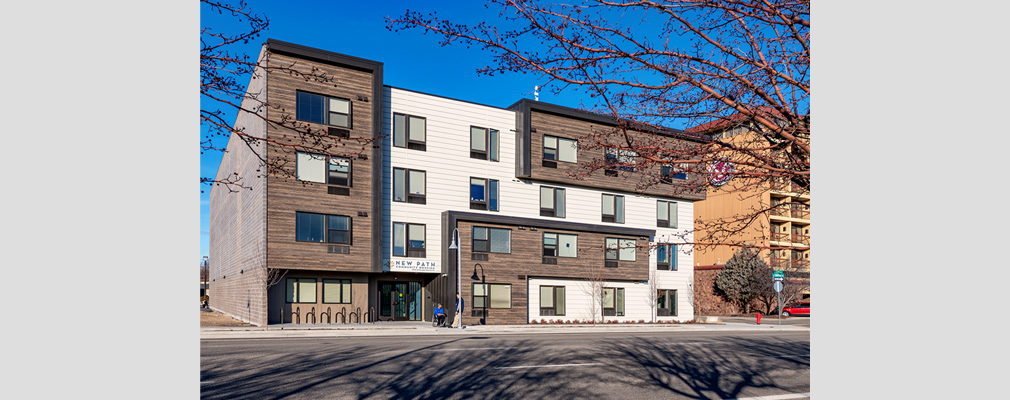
[{"x": 797, "y": 309}]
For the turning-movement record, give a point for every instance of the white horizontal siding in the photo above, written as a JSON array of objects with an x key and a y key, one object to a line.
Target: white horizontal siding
[
  {"x": 448, "y": 168},
  {"x": 577, "y": 300}
]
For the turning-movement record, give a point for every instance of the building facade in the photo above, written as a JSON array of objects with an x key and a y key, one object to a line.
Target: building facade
[
  {"x": 783, "y": 232},
  {"x": 449, "y": 186}
]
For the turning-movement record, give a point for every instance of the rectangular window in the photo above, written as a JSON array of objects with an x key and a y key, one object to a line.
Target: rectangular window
[
  {"x": 618, "y": 159},
  {"x": 301, "y": 290},
  {"x": 613, "y": 208},
  {"x": 337, "y": 291},
  {"x": 492, "y": 295},
  {"x": 409, "y": 131},
  {"x": 409, "y": 185},
  {"x": 560, "y": 245},
  {"x": 322, "y": 228},
  {"x": 552, "y": 202},
  {"x": 483, "y": 194},
  {"x": 492, "y": 240},
  {"x": 323, "y": 169},
  {"x": 620, "y": 249},
  {"x": 669, "y": 173},
  {"x": 613, "y": 302},
  {"x": 552, "y": 301},
  {"x": 323, "y": 109},
  {"x": 666, "y": 214},
  {"x": 560, "y": 149},
  {"x": 483, "y": 143},
  {"x": 666, "y": 303},
  {"x": 408, "y": 240},
  {"x": 666, "y": 257}
]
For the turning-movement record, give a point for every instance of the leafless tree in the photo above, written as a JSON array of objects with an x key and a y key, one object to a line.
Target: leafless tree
[
  {"x": 718, "y": 66},
  {"x": 594, "y": 278},
  {"x": 224, "y": 71},
  {"x": 794, "y": 284},
  {"x": 653, "y": 294}
]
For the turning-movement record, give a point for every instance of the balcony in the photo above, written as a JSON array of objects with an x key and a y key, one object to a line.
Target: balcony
[
  {"x": 780, "y": 237},
  {"x": 803, "y": 239},
  {"x": 789, "y": 264},
  {"x": 800, "y": 213}
]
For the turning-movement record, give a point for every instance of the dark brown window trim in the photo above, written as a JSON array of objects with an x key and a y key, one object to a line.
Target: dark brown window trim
[
  {"x": 410, "y": 197},
  {"x": 326, "y": 110},
  {"x": 341, "y": 282},
  {"x": 408, "y": 143}
]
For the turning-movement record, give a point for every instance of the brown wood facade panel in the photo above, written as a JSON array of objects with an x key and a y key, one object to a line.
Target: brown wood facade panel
[
  {"x": 526, "y": 260},
  {"x": 287, "y": 195},
  {"x": 577, "y": 129}
]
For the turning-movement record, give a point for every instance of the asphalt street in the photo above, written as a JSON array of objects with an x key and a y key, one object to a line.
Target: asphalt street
[{"x": 608, "y": 365}]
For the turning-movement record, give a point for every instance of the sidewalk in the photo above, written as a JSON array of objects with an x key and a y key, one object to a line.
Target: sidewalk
[{"x": 416, "y": 328}]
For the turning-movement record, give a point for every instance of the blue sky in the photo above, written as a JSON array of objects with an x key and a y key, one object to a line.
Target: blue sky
[{"x": 411, "y": 60}]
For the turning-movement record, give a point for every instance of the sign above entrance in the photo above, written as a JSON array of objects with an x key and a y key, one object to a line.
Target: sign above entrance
[{"x": 411, "y": 266}]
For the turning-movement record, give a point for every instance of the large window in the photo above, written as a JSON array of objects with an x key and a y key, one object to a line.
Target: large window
[
  {"x": 552, "y": 202},
  {"x": 301, "y": 290},
  {"x": 666, "y": 214},
  {"x": 613, "y": 208},
  {"x": 337, "y": 291},
  {"x": 408, "y": 185},
  {"x": 323, "y": 169},
  {"x": 323, "y": 110},
  {"x": 620, "y": 249},
  {"x": 560, "y": 149},
  {"x": 492, "y": 240},
  {"x": 613, "y": 302},
  {"x": 483, "y": 143},
  {"x": 552, "y": 301},
  {"x": 322, "y": 228},
  {"x": 492, "y": 295},
  {"x": 408, "y": 240},
  {"x": 409, "y": 132},
  {"x": 666, "y": 257},
  {"x": 483, "y": 194},
  {"x": 668, "y": 173},
  {"x": 615, "y": 159},
  {"x": 560, "y": 245},
  {"x": 666, "y": 303}
]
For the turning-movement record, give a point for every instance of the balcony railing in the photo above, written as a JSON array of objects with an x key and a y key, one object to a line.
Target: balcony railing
[
  {"x": 801, "y": 239},
  {"x": 789, "y": 263},
  {"x": 800, "y": 213},
  {"x": 780, "y": 237},
  {"x": 781, "y": 211}
]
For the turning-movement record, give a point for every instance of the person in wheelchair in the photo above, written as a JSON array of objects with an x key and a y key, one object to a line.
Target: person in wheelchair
[{"x": 439, "y": 315}]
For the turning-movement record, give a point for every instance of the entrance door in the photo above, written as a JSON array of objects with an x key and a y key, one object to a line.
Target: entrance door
[{"x": 400, "y": 301}]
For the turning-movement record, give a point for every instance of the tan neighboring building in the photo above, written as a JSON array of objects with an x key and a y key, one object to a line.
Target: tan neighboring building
[{"x": 785, "y": 229}]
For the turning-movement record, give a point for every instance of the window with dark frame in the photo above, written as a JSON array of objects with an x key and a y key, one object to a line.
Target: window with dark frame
[
  {"x": 552, "y": 202},
  {"x": 668, "y": 173},
  {"x": 322, "y": 228},
  {"x": 618, "y": 159},
  {"x": 560, "y": 149},
  {"x": 613, "y": 208},
  {"x": 310, "y": 107},
  {"x": 666, "y": 214},
  {"x": 409, "y": 131},
  {"x": 613, "y": 302},
  {"x": 300, "y": 290},
  {"x": 321, "y": 168},
  {"x": 560, "y": 245},
  {"x": 620, "y": 249},
  {"x": 492, "y": 240},
  {"x": 552, "y": 301},
  {"x": 666, "y": 257},
  {"x": 491, "y": 295},
  {"x": 484, "y": 143},
  {"x": 483, "y": 194},
  {"x": 666, "y": 302},
  {"x": 337, "y": 291},
  {"x": 408, "y": 240},
  {"x": 409, "y": 185}
]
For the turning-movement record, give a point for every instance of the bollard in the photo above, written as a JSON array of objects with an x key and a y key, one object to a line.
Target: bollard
[{"x": 759, "y": 318}]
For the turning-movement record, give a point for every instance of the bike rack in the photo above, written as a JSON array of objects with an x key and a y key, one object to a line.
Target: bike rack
[
  {"x": 371, "y": 315},
  {"x": 327, "y": 312},
  {"x": 313, "y": 314},
  {"x": 297, "y": 315},
  {"x": 343, "y": 315}
]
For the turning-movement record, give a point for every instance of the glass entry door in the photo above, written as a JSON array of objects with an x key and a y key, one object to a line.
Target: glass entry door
[{"x": 400, "y": 301}]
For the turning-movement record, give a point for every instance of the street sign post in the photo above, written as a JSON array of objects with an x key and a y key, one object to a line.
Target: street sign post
[{"x": 777, "y": 278}]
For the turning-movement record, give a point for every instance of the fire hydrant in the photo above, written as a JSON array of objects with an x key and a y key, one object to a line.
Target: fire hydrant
[{"x": 759, "y": 318}]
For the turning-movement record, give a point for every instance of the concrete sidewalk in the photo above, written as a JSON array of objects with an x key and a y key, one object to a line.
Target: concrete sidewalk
[{"x": 417, "y": 328}]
